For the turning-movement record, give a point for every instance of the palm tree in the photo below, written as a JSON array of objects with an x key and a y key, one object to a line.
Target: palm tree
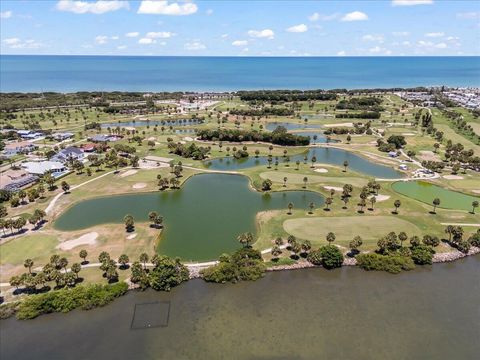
[
  {"x": 63, "y": 262},
  {"x": 276, "y": 251},
  {"x": 474, "y": 206},
  {"x": 314, "y": 160},
  {"x": 295, "y": 248},
  {"x": 355, "y": 244},
  {"x": 270, "y": 148},
  {"x": 83, "y": 255},
  {"x": 305, "y": 181},
  {"x": 28, "y": 264},
  {"x": 373, "y": 200},
  {"x": 345, "y": 200},
  {"x": 285, "y": 181},
  {"x": 362, "y": 204},
  {"x": 311, "y": 207},
  {"x": 129, "y": 223},
  {"x": 76, "y": 268},
  {"x": 123, "y": 260},
  {"x": 298, "y": 164},
  {"x": 143, "y": 259},
  {"x": 306, "y": 246},
  {"x": 435, "y": 202},
  {"x": 291, "y": 240},
  {"x": 279, "y": 241},
  {"x": 330, "y": 237},
  {"x": 345, "y": 165},
  {"x": 328, "y": 202},
  {"x": 257, "y": 152},
  {"x": 450, "y": 229},
  {"x": 245, "y": 239},
  {"x": 290, "y": 207},
  {"x": 397, "y": 204}
]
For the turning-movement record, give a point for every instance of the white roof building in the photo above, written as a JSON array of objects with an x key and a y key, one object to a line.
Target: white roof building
[{"x": 41, "y": 167}]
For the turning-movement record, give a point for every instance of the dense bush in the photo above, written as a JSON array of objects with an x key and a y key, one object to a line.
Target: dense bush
[
  {"x": 361, "y": 115},
  {"x": 86, "y": 297},
  {"x": 167, "y": 273},
  {"x": 422, "y": 255},
  {"x": 390, "y": 263},
  {"x": 361, "y": 103},
  {"x": 286, "y": 95},
  {"x": 332, "y": 257},
  {"x": 266, "y": 111},
  {"x": 278, "y": 136},
  {"x": 188, "y": 151},
  {"x": 243, "y": 264}
]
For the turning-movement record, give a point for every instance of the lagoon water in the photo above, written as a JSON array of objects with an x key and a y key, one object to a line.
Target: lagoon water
[
  {"x": 202, "y": 219},
  {"x": 430, "y": 313},
  {"x": 137, "y": 73}
]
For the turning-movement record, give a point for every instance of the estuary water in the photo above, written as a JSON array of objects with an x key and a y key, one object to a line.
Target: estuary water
[
  {"x": 432, "y": 312},
  {"x": 169, "y": 73}
]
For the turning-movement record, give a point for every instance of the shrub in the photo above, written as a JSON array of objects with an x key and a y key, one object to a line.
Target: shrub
[
  {"x": 422, "y": 255},
  {"x": 390, "y": 263},
  {"x": 86, "y": 297},
  {"x": 332, "y": 257},
  {"x": 167, "y": 273}
]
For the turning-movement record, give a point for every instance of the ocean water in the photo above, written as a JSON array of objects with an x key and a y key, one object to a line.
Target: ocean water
[{"x": 130, "y": 73}]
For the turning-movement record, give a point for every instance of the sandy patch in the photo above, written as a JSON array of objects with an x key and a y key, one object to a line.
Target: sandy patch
[
  {"x": 321, "y": 170},
  {"x": 453, "y": 177},
  {"x": 408, "y": 134},
  {"x": 158, "y": 158},
  {"x": 428, "y": 156},
  {"x": 188, "y": 138},
  {"x": 131, "y": 236},
  {"x": 381, "y": 197},
  {"x": 129, "y": 128},
  {"x": 336, "y": 188},
  {"x": 86, "y": 239},
  {"x": 139, "y": 186},
  {"x": 128, "y": 173},
  {"x": 151, "y": 138},
  {"x": 346, "y": 124},
  {"x": 476, "y": 191}
]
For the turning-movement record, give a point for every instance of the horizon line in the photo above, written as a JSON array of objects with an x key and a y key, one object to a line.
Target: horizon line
[{"x": 250, "y": 56}]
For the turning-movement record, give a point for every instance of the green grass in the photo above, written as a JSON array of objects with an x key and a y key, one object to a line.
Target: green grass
[{"x": 34, "y": 247}]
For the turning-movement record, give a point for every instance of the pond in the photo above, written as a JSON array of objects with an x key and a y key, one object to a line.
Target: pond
[
  {"x": 425, "y": 192},
  {"x": 139, "y": 123},
  {"x": 291, "y": 126},
  {"x": 324, "y": 156},
  {"x": 202, "y": 219},
  {"x": 428, "y": 313}
]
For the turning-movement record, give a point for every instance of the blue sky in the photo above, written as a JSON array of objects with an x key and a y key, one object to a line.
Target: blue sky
[{"x": 239, "y": 28}]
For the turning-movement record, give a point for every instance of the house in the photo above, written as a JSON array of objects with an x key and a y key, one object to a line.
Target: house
[
  {"x": 62, "y": 136},
  {"x": 100, "y": 138},
  {"x": 29, "y": 134},
  {"x": 392, "y": 154},
  {"x": 13, "y": 180},
  {"x": 19, "y": 147},
  {"x": 89, "y": 148},
  {"x": 70, "y": 153},
  {"x": 41, "y": 167}
]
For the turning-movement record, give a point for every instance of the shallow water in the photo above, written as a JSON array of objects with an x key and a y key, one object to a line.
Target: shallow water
[
  {"x": 426, "y": 192},
  {"x": 324, "y": 156},
  {"x": 430, "y": 313},
  {"x": 202, "y": 219}
]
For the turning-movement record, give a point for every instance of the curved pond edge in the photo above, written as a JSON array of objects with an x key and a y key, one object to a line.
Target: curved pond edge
[
  {"x": 219, "y": 172},
  {"x": 429, "y": 182}
]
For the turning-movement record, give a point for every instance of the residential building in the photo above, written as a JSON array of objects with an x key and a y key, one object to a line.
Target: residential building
[
  {"x": 69, "y": 154},
  {"x": 41, "y": 167}
]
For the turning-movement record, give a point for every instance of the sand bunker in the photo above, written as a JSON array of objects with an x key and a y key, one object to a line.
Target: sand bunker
[
  {"x": 151, "y": 138},
  {"x": 381, "y": 197},
  {"x": 128, "y": 173},
  {"x": 131, "y": 236},
  {"x": 321, "y": 170},
  {"x": 188, "y": 138},
  {"x": 408, "y": 134},
  {"x": 86, "y": 239},
  {"x": 346, "y": 124},
  {"x": 476, "y": 191},
  {"x": 336, "y": 188},
  {"x": 139, "y": 186},
  {"x": 453, "y": 177}
]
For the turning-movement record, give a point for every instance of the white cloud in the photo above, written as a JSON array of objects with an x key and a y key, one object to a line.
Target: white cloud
[
  {"x": 114, "y": 37},
  {"x": 195, "y": 45},
  {"x": 101, "y": 39},
  {"x": 373, "y": 37},
  {"x": 224, "y": 36},
  {"x": 435, "y": 34},
  {"x": 132, "y": 34},
  {"x": 452, "y": 38},
  {"x": 298, "y": 28},
  {"x": 146, "y": 41},
  {"x": 166, "y": 8},
  {"x": 355, "y": 16},
  {"x": 16, "y": 43},
  {"x": 159, "y": 35},
  {"x": 121, "y": 47},
  {"x": 400, "y": 33},
  {"x": 441, "y": 46},
  {"x": 429, "y": 45},
  {"x": 472, "y": 15},
  {"x": 317, "y": 16},
  {"x": 379, "y": 50},
  {"x": 406, "y": 43},
  {"x": 240, "y": 43},
  {"x": 209, "y": 12},
  {"x": 5, "y": 14},
  {"x": 375, "y": 49},
  {"x": 341, "y": 53},
  {"x": 266, "y": 33},
  {"x": 97, "y": 7},
  {"x": 411, "y": 2}
]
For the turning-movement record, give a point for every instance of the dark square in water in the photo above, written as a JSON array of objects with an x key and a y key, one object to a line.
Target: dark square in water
[{"x": 150, "y": 315}]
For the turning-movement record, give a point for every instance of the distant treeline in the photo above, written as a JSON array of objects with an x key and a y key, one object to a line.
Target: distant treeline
[
  {"x": 17, "y": 101},
  {"x": 279, "y": 136},
  {"x": 361, "y": 115},
  {"x": 266, "y": 111},
  {"x": 286, "y": 95},
  {"x": 362, "y": 103}
]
